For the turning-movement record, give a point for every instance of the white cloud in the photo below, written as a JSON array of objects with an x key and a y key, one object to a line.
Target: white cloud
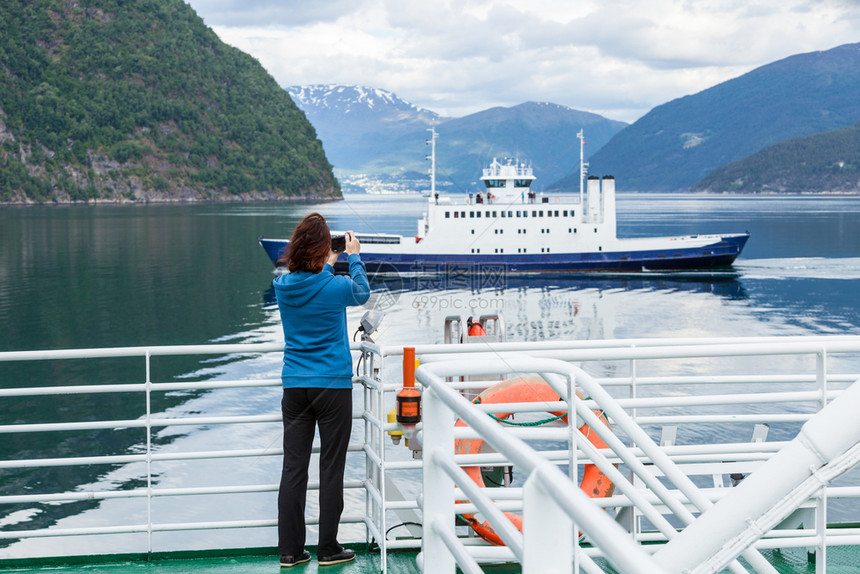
[{"x": 619, "y": 58}]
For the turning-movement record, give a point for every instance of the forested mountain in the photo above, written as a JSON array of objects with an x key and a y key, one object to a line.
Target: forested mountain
[
  {"x": 823, "y": 162},
  {"x": 372, "y": 131},
  {"x": 107, "y": 99},
  {"x": 678, "y": 143}
]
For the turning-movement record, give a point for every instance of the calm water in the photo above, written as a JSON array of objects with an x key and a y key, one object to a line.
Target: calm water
[{"x": 78, "y": 277}]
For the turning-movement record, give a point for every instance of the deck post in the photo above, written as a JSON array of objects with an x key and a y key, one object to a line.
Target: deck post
[
  {"x": 438, "y": 499},
  {"x": 547, "y": 531}
]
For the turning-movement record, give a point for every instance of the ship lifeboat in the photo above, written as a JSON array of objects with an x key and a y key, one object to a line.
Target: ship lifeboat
[{"x": 521, "y": 390}]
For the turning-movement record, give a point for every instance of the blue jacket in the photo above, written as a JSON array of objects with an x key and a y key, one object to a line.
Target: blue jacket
[{"x": 313, "y": 314}]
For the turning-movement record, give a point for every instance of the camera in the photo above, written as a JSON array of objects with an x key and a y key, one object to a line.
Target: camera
[{"x": 338, "y": 243}]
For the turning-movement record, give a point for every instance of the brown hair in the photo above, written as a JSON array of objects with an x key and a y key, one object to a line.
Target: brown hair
[{"x": 309, "y": 246}]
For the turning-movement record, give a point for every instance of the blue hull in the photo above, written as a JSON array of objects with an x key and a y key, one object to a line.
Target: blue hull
[{"x": 721, "y": 254}]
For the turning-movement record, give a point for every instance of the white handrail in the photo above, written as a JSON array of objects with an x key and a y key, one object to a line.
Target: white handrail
[
  {"x": 827, "y": 445},
  {"x": 607, "y": 534},
  {"x": 381, "y": 377},
  {"x": 147, "y": 422}
]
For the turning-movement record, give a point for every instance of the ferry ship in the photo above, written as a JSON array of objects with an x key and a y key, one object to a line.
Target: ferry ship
[{"x": 518, "y": 230}]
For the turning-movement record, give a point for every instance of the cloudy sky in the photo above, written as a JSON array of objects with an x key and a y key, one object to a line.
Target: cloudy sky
[{"x": 618, "y": 58}]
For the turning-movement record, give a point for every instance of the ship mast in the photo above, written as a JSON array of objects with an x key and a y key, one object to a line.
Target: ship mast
[
  {"x": 583, "y": 168},
  {"x": 432, "y": 158}
]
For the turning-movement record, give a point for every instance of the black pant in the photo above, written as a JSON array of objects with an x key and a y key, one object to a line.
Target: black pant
[{"x": 302, "y": 409}]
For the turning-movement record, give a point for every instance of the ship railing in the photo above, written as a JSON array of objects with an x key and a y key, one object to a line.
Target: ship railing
[
  {"x": 552, "y": 510},
  {"x": 729, "y": 381},
  {"x": 151, "y": 460},
  {"x": 671, "y": 387}
]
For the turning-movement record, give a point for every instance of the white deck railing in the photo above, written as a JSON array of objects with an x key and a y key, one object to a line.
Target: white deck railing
[
  {"x": 713, "y": 381},
  {"x": 668, "y": 387},
  {"x": 149, "y": 423}
]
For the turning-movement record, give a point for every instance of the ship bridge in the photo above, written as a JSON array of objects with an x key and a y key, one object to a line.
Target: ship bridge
[{"x": 508, "y": 178}]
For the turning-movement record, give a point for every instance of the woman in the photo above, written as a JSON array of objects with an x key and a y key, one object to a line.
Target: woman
[{"x": 317, "y": 381}]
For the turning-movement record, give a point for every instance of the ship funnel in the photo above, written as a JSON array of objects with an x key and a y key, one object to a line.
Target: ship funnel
[
  {"x": 593, "y": 199},
  {"x": 609, "y": 204}
]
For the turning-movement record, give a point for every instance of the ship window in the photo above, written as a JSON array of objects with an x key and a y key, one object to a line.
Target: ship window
[
  {"x": 494, "y": 214},
  {"x": 519, "y": 214},
  {"x": 473, "y": 232},
  {"x": 478, "y": 214},
  {"x": 494, "y": 183},
  {"x": 549, "y": 213},
  {"x": 510, "y": 214},
  {"x": 522, "y": 182},
  {"x": 600, "y": 248},
  {"x": 463, "y": 214},
  {"x": 569, "y": 230},
  {"x": 525, "y": 213},
  {"x": 540, "y": 213},
  {"x": 534, "y": 213},
  {"x": 556, "y": 213},
  {"x": 572, "y": 213},
  {"x": 448, "y": 214},
  {"x": 503, "y": 214},
  {"x": 565, "y": 213},
  {"x": 502, "y": 250},
  {"x": 574, "y": 229},
  {"x": 595, "y": 230},
  {"x": 456, "y": 213},
  {"x": 472, "y": 214}
]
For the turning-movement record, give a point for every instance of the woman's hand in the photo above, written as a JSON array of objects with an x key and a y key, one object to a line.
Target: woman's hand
[
  {"x": 352, "y": 243},
  {"x": 332, "y": 257}
]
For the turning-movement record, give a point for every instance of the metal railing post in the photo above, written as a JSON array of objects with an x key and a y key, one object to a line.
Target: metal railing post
[
  {"x": 545, "y": 525},
  {"x": 380, "y": 473},
  {"x": 821, "y": 499},
  {"x": 438, "y": 498},
  {"x": 148, "y": 392}
]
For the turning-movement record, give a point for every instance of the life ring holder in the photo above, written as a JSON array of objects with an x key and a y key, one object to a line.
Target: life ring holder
[{"x": 520, "y": 390}]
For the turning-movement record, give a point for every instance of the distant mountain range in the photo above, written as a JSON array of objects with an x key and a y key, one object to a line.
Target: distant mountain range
[
  {"x": 358, "y": 124},
  {"x": 368, "y": 130},
  {"x": 677, "y": 144},
  {"x": 828, "y": 162}
]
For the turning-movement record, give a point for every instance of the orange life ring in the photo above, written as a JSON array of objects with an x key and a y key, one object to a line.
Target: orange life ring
[
  {"x": 476, "y": 330},
  {"x": 522, "y": 390}
]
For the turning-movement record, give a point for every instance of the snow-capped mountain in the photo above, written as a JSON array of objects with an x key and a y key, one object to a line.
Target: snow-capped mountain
[
  {"x": 372, "y": 131},
  {"x": 355, "y": 100}
]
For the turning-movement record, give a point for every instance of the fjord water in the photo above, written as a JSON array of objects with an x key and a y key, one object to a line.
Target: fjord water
[{"x": 106, "y": 276}]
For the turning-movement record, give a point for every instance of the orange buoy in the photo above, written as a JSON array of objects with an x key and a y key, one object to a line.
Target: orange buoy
[
  {"x": 475, "y": 329},
  {"x": 522, "y": 390}
]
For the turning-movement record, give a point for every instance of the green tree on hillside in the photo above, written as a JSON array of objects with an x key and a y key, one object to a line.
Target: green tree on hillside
[{"x": 142, "y": 90}]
